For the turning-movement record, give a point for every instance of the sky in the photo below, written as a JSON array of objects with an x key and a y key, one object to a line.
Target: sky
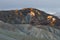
[{"x": 45, "y": 5}]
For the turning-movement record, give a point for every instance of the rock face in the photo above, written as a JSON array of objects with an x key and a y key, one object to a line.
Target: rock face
[
  {"x": 28, "y": 24},
  {"x": 27, "y": 16}
]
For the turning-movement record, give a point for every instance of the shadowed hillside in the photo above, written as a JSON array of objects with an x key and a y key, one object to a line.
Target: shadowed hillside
[{"x": 21, "y": 32}]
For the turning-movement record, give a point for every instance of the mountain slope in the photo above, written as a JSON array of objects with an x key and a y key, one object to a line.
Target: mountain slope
[
  {"x": 26, "y": 15},
  {"x": 22, "y": 32},
  {"x": 28, "y": 24}
]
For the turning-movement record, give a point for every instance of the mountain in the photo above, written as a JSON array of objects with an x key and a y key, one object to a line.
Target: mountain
[
  {"x": 16, "y": 16},
  {"x": 28, "y": 24},
  {"x": 31, "y": 16}
]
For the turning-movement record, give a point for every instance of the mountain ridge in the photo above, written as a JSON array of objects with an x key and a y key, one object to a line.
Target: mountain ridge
[{"x": 27, "y": 16}]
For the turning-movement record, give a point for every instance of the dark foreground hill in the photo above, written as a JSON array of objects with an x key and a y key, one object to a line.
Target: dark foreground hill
[{"x": 21, "y": 32}]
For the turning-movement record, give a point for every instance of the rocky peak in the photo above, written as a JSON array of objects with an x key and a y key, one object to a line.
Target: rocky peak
[{"x": 28, "y": 16}]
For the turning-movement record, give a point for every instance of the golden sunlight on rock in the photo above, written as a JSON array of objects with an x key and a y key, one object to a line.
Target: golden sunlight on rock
[
  {"x": 52, "y": 20},
  {"x": 32, "y": 13},
  {"x": 49, "y": 17}
]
